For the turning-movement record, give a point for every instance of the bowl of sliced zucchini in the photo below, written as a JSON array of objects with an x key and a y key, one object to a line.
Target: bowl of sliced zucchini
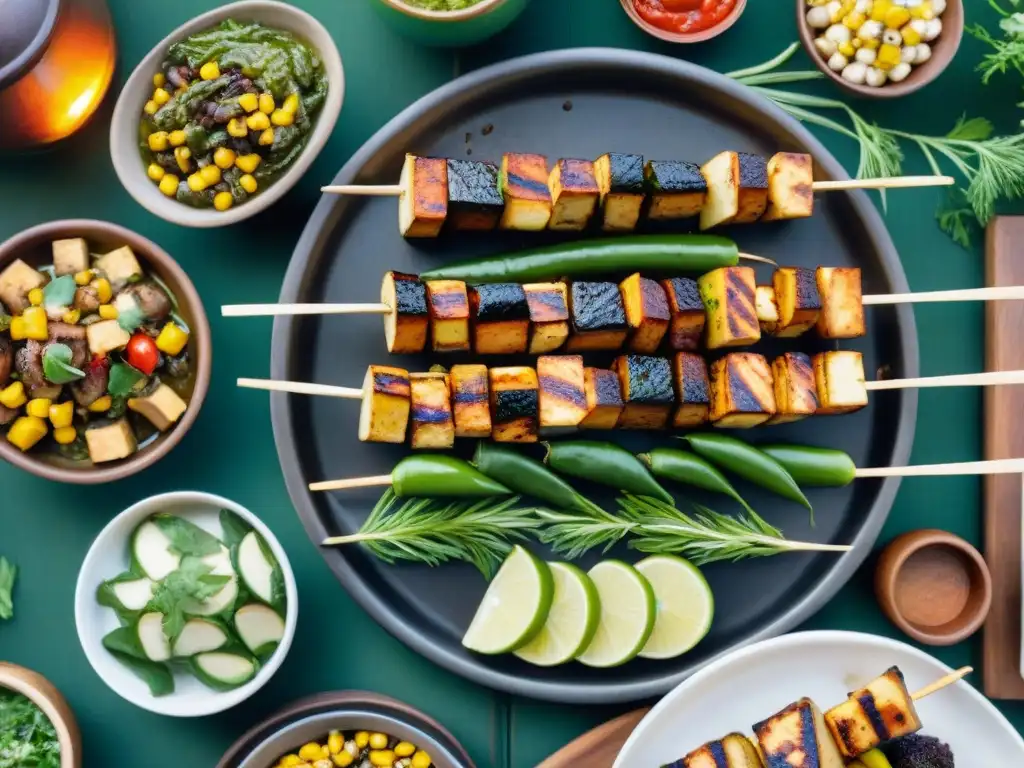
[{"x": 186, "y": 604}]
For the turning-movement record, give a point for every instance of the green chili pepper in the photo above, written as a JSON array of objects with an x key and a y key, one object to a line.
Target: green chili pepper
[
  {"x": 749, "y": 463},
  {"x": 824, "y": 467},
  {"x": 433, "y": 475},
  {"x": 527, "y": 476},
  {"x": 690, "y": 469},
  {"x": 606, "y": 464},
  {"x": 665, "y": 253}
]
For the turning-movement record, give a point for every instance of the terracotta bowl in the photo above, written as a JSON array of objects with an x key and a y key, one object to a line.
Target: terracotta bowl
[
  {"x": 44, "y": 695},
  {"x": 944, "y": 48},
  {"x": 33, "y": 246},
  {"x": 934, "y": 586},
  {"x": 684, "y": 37}
]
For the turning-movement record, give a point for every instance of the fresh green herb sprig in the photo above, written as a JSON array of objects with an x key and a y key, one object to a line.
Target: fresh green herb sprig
[
  {"x": 1008, "y": 50},
  {"x": 27, "y": 737}
]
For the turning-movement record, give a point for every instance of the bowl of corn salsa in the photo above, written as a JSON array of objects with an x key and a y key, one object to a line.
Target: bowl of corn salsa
[{"x": 227, "y": 113}]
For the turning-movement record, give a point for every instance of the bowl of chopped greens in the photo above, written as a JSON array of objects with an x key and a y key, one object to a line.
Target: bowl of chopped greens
[
  {"x": 450, "y": 23},
  {"x": 227, "y": 113},
  {"x": 37, "y": 727}
]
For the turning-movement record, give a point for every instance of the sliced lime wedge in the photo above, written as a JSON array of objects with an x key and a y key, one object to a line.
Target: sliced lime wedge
[
  {"x": 572, "y": 620},
  {"x": 514, "y": 607},
  {"x": 685, "y": 605},
  {"x": 627, "y": 618}
]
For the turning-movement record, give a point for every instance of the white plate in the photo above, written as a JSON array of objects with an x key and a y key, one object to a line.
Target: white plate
[{"x": 753, "y": 683}]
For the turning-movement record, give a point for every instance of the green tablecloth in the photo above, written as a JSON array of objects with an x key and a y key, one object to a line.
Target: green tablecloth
[{"x": 47, "y": 528}]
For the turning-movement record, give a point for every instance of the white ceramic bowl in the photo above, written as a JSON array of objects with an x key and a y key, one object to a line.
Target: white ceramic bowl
[
  {"x": 124, "y": 126},
  {"x": 109, "y": 556}
]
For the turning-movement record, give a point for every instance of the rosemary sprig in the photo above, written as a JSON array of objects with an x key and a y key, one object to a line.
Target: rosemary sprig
[
  {"x": 433, "y": 532},
  {"x": 572, "y": 534}
]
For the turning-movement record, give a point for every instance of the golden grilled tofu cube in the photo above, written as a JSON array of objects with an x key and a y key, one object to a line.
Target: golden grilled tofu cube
[
  {"x": 621, "y": 181},
  {"x": 728, "y": 296},
  {"x": 676, "y": 189},
  {"x": 797, "y": 737},
  {"x": 692, "y": 389},
  {"x": 734, "y": 751},
  {"x": 549, "y": 316},
  {"x": 842, "y": 306},
  {"x": 384, "y": 416},
  {"x": 687, "y": 314},
  {"x": 598, "y": 317},
  {"x": 796, "y": 293},
  {"x": 839, "y": 379},
  {"x": 604, "y": 399},
  {"x": 16, "y": 280},
  {"x": 474, "y": 195},
  {"x": 742, "y": 394},
  {"x": 647, "y": 393},
  {"x": 882, "y": 710},
  {"x": 574, "y": 194},
  {"x": 647, "y": 313},
  {"x": 406, "y": 325},
  {"x": 790, "y": 187},
  {"x": 470, "y": 400},
  {"x": 563, "y": 398},
  {"x": 515, "y": 404},
  {"x": 737, "y": 189},
  {"x": 767, "y": 309},
  {"x": 524, "y": 186},
  {"x": 432, "y": 423},
  {"x": 500, "y": 318},
  {"x": 448, "y": 301},
  {"x": 423, "y": 204},
  {"x": 796, "y": 394}
]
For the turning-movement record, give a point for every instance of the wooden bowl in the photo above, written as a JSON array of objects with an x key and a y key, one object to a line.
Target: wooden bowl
[
  {"x": 944, "y": 48},
  {"x": 934, "y": 586},
  {"x": 44, "y": 695},
  {"x": 684, "y": 37}
]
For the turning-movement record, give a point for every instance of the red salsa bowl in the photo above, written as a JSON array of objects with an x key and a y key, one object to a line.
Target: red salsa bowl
[{"x": 684, "y": 21}]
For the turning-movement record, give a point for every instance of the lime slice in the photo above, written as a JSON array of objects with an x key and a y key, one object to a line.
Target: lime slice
[
  {"x": 627, "y": 618},
  {"x": 685, "y": 605},
  {"x": 572, "y": 620},
  {"x": 514, "y": 607}
]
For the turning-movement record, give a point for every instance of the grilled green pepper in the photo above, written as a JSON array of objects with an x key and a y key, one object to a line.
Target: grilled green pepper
[
  {"x": 607, "y": 464},
  {"x": 690, "y": 469},
  {"x": 528, "y": 477},
  {"x": 433, "y": 475},
  {"x": 823, "y": 467}
]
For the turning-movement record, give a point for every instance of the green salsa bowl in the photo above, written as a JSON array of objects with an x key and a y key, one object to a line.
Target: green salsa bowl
[{"x": 468, "y": 22}]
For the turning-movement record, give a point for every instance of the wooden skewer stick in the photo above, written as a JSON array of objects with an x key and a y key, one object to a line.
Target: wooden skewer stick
[
  {"x": 990, "y": 467},
  {"x": 942, "y": 682},
  {"x": 302, "y": 388},
  {"x": 986, "y": 379},
  {"x": 351, "y": 482},
  {"x": 364, "y": 190},
  {"x": 996, "y": 293},
  {"x": 259, "y": 310}
]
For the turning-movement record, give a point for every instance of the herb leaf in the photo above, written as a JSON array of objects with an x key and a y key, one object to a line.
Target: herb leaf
[
  {"x": 123, "y": 379},
  {"x": 59, "y": 292},
  {"x": 186, "y": 537},
  {"x": 57, "y": 366},
  {"x": 192, "y": 581},
  {"x": 234, "y": 528},
  {"x": 123, "y": 644},
  {"x": 27, "y": 737},
  {"x": 8, "y": 574},
  {"x": 130, "y": 315},
  {"x": 5, "y": 322}
]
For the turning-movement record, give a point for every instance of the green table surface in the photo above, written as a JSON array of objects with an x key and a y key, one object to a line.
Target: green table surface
[{"x": 47, "y": 527}]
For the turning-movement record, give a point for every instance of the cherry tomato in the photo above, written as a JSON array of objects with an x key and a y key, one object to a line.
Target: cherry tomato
[{"x": 142, "y": 354}]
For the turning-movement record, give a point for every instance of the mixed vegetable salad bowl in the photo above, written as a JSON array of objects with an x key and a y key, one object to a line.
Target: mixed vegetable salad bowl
[
  {"x": 37, "y": 727},
  {"x": 105, "y": 352},
  {"x": 450, "y": 23},
  {"x": 227, "y": 113},
  {"x": 186, "y": 604}
]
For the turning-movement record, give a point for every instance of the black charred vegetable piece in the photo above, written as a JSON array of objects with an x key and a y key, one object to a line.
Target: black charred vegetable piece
[
  {"x": 621, "y": 180},
  {"x": 501, "y": 318},
  {"x": 647, "y": 392},
  {"x": 677, "y": 189},
  {"x": 515, "y": 404},
  {"x": 598, "y": 316},
  {"x": 693, "y": 395},
  {"x": 405, "y": 327},
  {"x": 474, "y": 195},
  {"x": 604, "y": 399},
  {"x": 686, "y": 310}
]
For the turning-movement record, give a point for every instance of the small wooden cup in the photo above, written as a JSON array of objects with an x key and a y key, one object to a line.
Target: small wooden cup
[
  {"x": 684, "y": 37},
  {"x": 44, "y": 695},
  {"x": 934, "y": 586}
]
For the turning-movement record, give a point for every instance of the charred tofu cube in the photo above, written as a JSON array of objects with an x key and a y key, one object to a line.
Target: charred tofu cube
[
  {"x": 604, "y": 399},
  {"x": 574, "y": 194},
  {"x": 839, "y": 379},
  {"x": 881, "y": 711},
  {"x": 563, "y": 401},
  {"x": 120, "y": 267},
  {"x": 767, "y": 309},
  {"x": 790, "y": 187},
  {"x": 734, "y": 751},
  {"x": 796, "y": 394},
  {"x": 474, "y": 195},
  {"x": 162, "y": 407},
  {"x": 621, "y": 181},
  {"x": 728, "y": 296},
  {"x": 549, "y": 316},
  {"x": 449, "y": 315},
  {"x": 797, "y": 737},
  {"x": 742, "y": 394},
  {"x": 686, "y": 309},
  {"x": 796, "y": 292},
  {"x": 433, "y": 425},
  {"x": 515, "y": 405},
  {"x": 524, "y": 187},
  {"x": 70, "y": 256},
  {"x": 15, "y": 283},
  {"x": 737, "y": 189},
  {"x": 693, "y": 391},
  {"x": 501, "y": 318},
  {"x": 676, "y": 189},
  {"x": 598, "y": 317},
  {"x": 405, "y": 326},
  {"x": 646, "y": 313},
  {"x": 423, "y": 204},
  {"x": 384, "y": 417},
  {"x": 842, "y": 307},
  {"x": 470, "y": 401},
  {"x": 647, "y": 392}
]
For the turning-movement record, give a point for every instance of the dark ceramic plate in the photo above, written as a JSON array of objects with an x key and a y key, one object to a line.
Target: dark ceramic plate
[{"x": 578, "y": 103}]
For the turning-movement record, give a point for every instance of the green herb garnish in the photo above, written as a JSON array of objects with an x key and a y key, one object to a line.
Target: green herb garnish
[
  {"x": 27, "y": 737},
  {"x": 57, "y": 366},
  {"x": 59, "y": 293},
  {"x": 8, "y": 574},
  {"x": 123, "y": 379},
  {"x": 192, "y": 581}
]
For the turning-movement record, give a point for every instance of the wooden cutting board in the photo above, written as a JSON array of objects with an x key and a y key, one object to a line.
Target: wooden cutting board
[
  {"x": 597, "y": 748},
  {"x": 1004, "y": 409}
]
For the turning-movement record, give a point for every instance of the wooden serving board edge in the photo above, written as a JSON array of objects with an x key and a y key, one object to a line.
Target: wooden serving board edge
[{"x": 597, "y": 748}]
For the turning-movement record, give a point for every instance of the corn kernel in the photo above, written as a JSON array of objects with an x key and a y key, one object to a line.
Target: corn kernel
[
  {"x": 209, "y": 71},
  {"x": 871, "y": 43},
  {"x": 249, "y": 183},
  {"x": 404, "y": 749},
  {"x": 155, "y": 172},
  {"x": 103, "y": 290},
  {"x": 197, "y": 183},
  {"x": 13, "y": 396},
  {"x": 161, "y": 96},
  {"x": 362, "y": 739},
  {"x": 923, "y": 11},
  {"x": 61, "y": 415},
  {"x": 267, "y": 137},
  {"x": 151, "y": 107},
  {"x": 888, "y": 56},
  {"x": 247, "y": 163},
  {"x": 26, "y": 431},
  {"x": 267, "y": 104},
  {"x": 250, "y": 102},
  {"x": 101, "y": 404},
  {"x": 65, "y": 435},
  {"x": 109, "y": 312},
  {"x": 38, "y": 407},
  {"x": 310, "y": 751},
  {"x": 896, "y": 17},
  {"x": 291, "y": 104},
  {"x": 280, "y": 117},
  {"x": 910, "y": 35},
  {"x": 35, "y": 324},
  {"x": 83, "y": 277},
  {"x": 17, "y": 329},
  {"x": 159, "y": 80},
  {"x": 378, "y": 740},
  {"x": 847, "y": 50},
  {"x": 289, "y": 761},
  {"x": 158, "y": 141},
  {"x": 169, "y": 185},
  {"x": 183, "y": 156},
  {"x": 223, "y": 158},
  {"x": 257, "y": 121},
  {"x": 176, "y": 138},
  {"x": 210, "y": 174},
  {"x": 335, "y": 741},
  {"x": 35, "y": 297},
  {"x": 72, "y": 316},
  {"x": 854, "y": 20},
  {"x": 421, "y": 760},
  {"x": 382, "y": 758},
  {"x": 223, "y": 200},
  {"x": 238, "y": 128},
  {"x": 173, "y": 339},
  {"x": 343, "y": 760},
  {"x": 879, "y": 9}
]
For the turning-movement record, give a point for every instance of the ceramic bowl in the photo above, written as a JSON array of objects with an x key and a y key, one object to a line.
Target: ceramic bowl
[
  {"x": 450, "y": 29},
  {"x": 944, "y": 48},
  {"x": 33, "y": 246},
  {"x": 109, "y": 556},
  {"x": 124, "y": 125},
  {"x": 44, "y": 695},
  {"x": 684, "y": 37}
]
